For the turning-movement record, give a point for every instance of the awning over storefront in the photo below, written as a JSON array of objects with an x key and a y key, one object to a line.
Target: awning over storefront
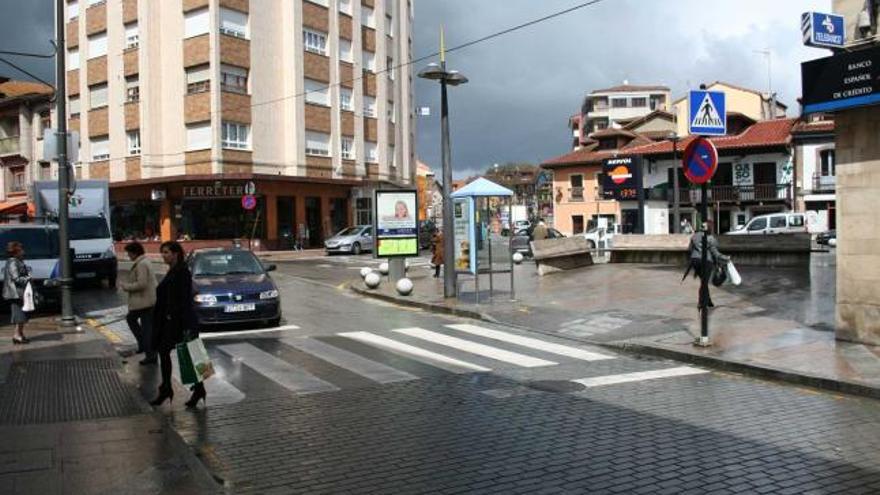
[{"x": 14, "y": 206}]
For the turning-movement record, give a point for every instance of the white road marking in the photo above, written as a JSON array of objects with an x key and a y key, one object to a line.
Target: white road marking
[
  {"x": 279, "y": 371},
  {"x": 220, "y": 391},
  {"x": 424, "y": 355},
  {"x": 476, "y": 348},
  {"x": 215, "y": 335},
  {"x": 348, "y": 360},
  {"x": 540, "y": 345},
  {"x": 598, "y": 381}
]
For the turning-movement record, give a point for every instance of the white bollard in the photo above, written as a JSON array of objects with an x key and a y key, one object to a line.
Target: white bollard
[
  {"x": 383, "y": 268},
  {"x": 517, "y": 258},
  {"x": 365, "y": 271},
  {"x": 372, "y": 280},
  {"x": 404, "y": 287}
]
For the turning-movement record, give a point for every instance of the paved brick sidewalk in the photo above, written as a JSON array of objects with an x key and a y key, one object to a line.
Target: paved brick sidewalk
[
  {"x": 69, "y": 423},
  {"x": 647, "y": 308}
]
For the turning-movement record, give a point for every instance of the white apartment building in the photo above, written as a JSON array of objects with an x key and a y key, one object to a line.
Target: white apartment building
[
  {"x": 183, "y": 105},
  {"x": 616, "y": 106}
]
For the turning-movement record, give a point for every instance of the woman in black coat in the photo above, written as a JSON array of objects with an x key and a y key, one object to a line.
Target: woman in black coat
[{"x": 173, "y": 318}]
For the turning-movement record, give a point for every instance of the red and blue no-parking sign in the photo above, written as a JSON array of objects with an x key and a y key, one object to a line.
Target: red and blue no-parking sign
[
  {"x": 700, "y": 161},
  {"x": 248, "y": 202}
]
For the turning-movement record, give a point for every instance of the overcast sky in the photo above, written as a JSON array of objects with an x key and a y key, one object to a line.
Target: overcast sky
[{"x": 524, "y": 85}]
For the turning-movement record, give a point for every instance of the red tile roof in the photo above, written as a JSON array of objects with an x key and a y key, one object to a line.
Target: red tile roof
[
  {"x": 822, "y": 126},
  {"x": 582, "y": 156}
]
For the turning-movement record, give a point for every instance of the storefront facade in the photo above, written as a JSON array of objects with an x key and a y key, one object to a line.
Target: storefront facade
[{"x": 207, "y": 211}]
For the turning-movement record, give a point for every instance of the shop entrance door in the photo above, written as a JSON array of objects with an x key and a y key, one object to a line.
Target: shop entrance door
[
  {"x": 338, "y": 214},
  {"x": 313, "y": 222},
  {"x": 286, "y": 222}
]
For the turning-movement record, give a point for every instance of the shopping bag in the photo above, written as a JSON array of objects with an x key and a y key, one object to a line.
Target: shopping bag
[
  {"x": 185, "y": 364},
  {"x": 735, "y": 279},
  {"x": 202, "y": 364},
  {"x": 27, "y": 304}
]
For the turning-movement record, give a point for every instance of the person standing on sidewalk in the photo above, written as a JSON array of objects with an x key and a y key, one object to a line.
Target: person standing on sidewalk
[
  {"x": 713, "y": 256},
  {"x": 540, "y": 232},
  {"x": 437, "y": 250},
  {"x": 173, "y": 318},
  {"x": 141, "y": 289},
  {"x": 15, "y": 279}
]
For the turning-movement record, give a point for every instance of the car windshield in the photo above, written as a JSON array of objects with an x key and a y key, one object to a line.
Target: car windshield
[
  {"x": 225, "y": 263},
  {"x": 88, "y": 228},
  {"x": 348, "y": 231},
  {"x": 38, "y": 243}
]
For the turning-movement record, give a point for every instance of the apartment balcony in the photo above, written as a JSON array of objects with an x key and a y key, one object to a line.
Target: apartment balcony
[
  {"x": 729, "y": 194},
  {"x": 10, "y": 146},
  {"x": 824, "y": 184}
]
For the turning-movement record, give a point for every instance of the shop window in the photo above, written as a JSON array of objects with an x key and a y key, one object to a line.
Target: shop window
[
  {"x": 236, "y": 136},
  {"x": 221, "y": 218},
  {"x": 135, "y": 221}
]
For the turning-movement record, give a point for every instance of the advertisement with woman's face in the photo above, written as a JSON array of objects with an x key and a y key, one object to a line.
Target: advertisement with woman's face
[{"x": 396, "y": 214}]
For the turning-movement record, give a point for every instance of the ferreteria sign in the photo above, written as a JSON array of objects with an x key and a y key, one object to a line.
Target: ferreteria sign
[
  {"x": 846, "y": 80},
  {"x": 219, "y": 190}
]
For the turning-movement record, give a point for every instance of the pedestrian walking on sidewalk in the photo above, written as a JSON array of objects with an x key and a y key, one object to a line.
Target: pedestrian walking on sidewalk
[
  {"x": 713, "y": 257},
  {"x": 141, "y": 289},
  {"x": 15, "y": 278},
  {"x": 437, "y": 250},
  {"x": 173, "y": 318}
]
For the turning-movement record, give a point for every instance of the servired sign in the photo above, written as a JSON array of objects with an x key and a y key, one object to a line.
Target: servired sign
[{"x": 700, "y": 161}]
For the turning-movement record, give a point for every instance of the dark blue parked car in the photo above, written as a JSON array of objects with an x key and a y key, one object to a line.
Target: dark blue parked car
[{"x": 233, "y": 286}]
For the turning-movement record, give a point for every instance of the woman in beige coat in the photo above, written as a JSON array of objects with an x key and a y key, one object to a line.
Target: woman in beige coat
[{"x": 141, "y": 289}]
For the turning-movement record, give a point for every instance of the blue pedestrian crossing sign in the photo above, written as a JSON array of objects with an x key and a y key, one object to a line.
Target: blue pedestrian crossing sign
[{"x": 708, "y": 113}]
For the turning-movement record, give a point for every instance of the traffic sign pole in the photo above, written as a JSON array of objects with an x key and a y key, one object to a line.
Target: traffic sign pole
[{"x": 704, "y": 273}]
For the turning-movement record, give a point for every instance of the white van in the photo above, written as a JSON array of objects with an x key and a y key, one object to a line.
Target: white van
[
  {"x": 40, "y": 243},
  {"x": 775, "y": 223}
]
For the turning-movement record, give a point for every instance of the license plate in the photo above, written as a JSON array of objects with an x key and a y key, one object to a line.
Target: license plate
[
  {"x": 238, "y": 308},
  {"x": 86, "y": 275}
]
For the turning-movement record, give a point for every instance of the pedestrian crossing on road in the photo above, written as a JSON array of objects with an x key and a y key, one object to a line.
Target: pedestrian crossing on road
[{"x": 330, "y": 363}]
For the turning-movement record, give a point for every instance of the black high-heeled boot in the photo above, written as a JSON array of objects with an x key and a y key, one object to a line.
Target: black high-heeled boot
[
  {"x": 164, "y": 393},
  {"x": 199, "y": 394}
]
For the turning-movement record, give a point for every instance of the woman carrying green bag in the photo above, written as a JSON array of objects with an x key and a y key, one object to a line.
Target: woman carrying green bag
[{"x": 174, "y": 319}]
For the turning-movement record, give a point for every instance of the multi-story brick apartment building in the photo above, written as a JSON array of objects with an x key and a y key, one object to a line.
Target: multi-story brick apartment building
[{"x": 184, "y": 105}]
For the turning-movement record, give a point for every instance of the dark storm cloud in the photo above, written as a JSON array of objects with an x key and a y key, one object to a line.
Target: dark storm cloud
[{"x": 27, "y": 26}]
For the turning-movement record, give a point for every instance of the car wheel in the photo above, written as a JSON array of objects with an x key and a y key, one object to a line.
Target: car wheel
[
  {"x": 356, "y": 249},
  {"x": 591, "y": 244}
]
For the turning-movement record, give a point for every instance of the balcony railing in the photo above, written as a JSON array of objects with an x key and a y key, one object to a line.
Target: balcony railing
[
  {"x": 9, "y": 145},
  {"x": 576, "y": 194},
  {"x": 824, "y": 183},
  {"x": 734, "y": 194}
]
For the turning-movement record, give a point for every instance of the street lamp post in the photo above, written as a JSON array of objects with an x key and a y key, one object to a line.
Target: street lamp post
[
  {"x": 67, "y": 318},
  {"x": 438, "y": 72}
]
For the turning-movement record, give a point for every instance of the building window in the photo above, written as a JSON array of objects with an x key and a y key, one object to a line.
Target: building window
[
  {"x": 134, "y": 142},
  {"x": 392, "y": 156},
  {"x": 233, "y": 79},
  {"x": 389, "y": 67},
  {"x": 369, "y": 61},
  {"x": 389, "y": 26},
  {"x": 368, "y": 17},
  {"x": 317, "y": 92},
  {"x": 344, "y": 6},
  {"x": 600, "y": 125},
  {"x": 233, "y": 23},
  {"x": 72, "y": 10},
  {"x": 132, "y": 37},
  {"x": 345, "y": 99},
  {"x": 391, "y": 114},
  {"x": 345, "y": 52},
  {"x": 98, "y": 45},
  {"x": 73, "y": 106},
  {"x": 198, "y": 79},
  {"x": 97, "y": 96},
  {"x": 198, "y": 136},
  {"x": 826, "y": 158},
  {"x": 132, "y": 89},
  {"x": 236, "y": 136},
  {"x": 372, "y": 150},
  {"x": 618, "y": 102},
  {"x": 100, "y": 148},
  {"x": 19, "y": 180},
  {"x": 639, "y": 102},
  {"x": 348, "y": 150},
  {"x": 317, "y": 143},
  {"x": 196, "y": 23},
  {"x": 369, "y": 106},
  {"x": 73, "y": 59},
  {"x": 315, "y": 42}
]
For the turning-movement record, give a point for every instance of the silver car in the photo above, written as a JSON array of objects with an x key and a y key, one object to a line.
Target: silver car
[{"x": 352, "y": 240}]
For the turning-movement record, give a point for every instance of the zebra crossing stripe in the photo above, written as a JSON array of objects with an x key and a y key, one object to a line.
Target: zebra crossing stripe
[
  {"x": 277, "y": 370},
  {"x": 475, "y": 348},
  {"x": 222, "y": 392},
  {"x": 539, "y": 345},
  {"x": 218, "y": 335},
  {"x": 352, "y": 362},
  {"x": 423, "y": 355},
  {"x": 598, "y": 381}
]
